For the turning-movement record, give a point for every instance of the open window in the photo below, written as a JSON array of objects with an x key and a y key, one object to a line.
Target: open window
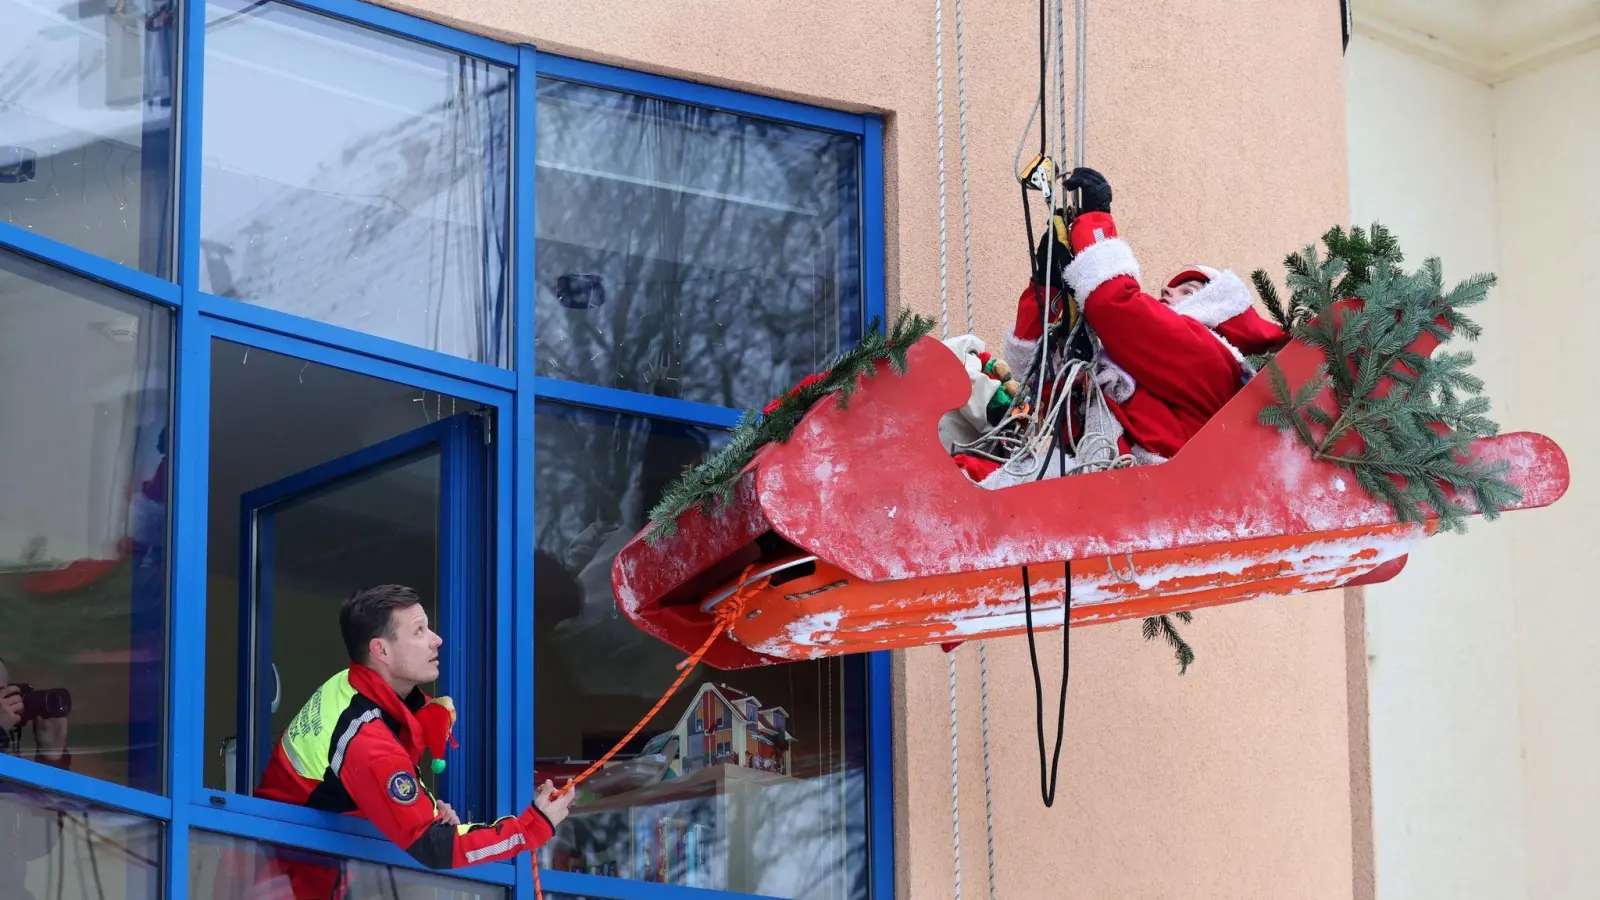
[{"x": 333, "y": 481}]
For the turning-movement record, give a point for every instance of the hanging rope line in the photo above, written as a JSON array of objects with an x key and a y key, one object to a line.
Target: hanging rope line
[
  {"x": 988, "y": 781},
  {"x": 944, "y": 333},
  {"x": 727, "y": 613},
  {"x": 966, "y": 200},
  {"x": 1047, "y": 780}
]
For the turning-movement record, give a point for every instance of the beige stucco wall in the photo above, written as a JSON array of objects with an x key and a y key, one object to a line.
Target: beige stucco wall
[
  {"x": 1222, "y": 126},
  {"x": 1547, "y": 139},
  {"x": 1447, "y": 778},
  {"x": 1483, "y": 724}
]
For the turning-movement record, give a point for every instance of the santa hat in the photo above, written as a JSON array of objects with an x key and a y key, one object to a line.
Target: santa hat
[{"x": 1224, "y": 305}]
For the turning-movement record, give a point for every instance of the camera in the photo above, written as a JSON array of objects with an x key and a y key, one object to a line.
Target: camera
[{"x": 44, "y": 703}]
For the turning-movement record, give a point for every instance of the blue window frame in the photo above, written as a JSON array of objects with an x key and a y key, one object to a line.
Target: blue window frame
[{"x": 169, "y": 243}]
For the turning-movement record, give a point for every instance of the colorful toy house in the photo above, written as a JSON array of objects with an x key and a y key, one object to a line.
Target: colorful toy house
[{"x": 724, "y": 725}]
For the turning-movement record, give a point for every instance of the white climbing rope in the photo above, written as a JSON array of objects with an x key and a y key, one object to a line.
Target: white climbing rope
[
  {"x": 966, "y": 200},
  {"x": 944, "y": 332}
]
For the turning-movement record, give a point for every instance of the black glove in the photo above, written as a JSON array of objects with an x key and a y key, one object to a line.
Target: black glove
[
  {"x": 1096, "y": 191},
  {"x": 1055, "y": 232}
]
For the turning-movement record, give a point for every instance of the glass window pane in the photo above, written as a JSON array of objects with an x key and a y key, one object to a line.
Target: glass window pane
[
  {"x": 342, "y": 480},
  {"x": 356, "y": 178},
  {"x": 86, "y": 125},
  {"x": 750, "y": 781},
  {"x": 53, "y": 846},
  {"x": 84, "y": 395},
  {"x": 689, "y": 252},
  {"x": 224, "y": 867}
]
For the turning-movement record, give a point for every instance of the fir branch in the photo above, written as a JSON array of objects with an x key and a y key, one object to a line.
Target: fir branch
[
  {"x": 712, "y": 484},
  {"x": 1270, "y": 298},
  {"x": 1407, "y": 460},
  {"x": 1162, "y": 627}
]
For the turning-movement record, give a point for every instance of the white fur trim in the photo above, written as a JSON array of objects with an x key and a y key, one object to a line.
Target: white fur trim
[
  {"x": 1100, "y": 262},
  {"x": 1018, "y": 353},
  {"x": 1115, "y": 380},
  {"x": 1222, "y": 299},
  {"x": 974, "y": 415},
  {"x": 1143, "y": 457}
]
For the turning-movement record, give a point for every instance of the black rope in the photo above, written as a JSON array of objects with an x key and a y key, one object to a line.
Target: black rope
[
  {"x": 1047, "y": 780},
  {"x": 1044, "y": 81}
]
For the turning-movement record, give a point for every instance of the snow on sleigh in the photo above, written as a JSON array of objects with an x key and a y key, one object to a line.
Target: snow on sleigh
[{"x": 857, "y": 533}]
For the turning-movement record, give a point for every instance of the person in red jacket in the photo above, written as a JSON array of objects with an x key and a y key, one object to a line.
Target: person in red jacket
[
  {"x": 356, "y": 748},
  {"x": 1168, "y": 363}
]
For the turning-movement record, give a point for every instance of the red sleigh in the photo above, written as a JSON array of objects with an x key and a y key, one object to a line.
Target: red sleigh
[{"x": 874, "y": 540}]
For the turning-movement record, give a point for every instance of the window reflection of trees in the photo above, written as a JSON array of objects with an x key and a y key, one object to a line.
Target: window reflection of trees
[
  {"x": 85, "y": 125},
  {"x": 401, "y": 229},
  {"x": 726, "y": 246}
]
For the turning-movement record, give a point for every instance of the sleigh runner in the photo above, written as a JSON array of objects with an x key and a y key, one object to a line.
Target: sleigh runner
[{"x": 866, "y": 537}]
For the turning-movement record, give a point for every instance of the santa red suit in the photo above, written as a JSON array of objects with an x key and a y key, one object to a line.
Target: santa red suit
[{"x": 1166, "y": 370}]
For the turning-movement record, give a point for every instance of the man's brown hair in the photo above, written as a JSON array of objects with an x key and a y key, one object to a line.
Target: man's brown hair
[{"x": 369, "y": 613}]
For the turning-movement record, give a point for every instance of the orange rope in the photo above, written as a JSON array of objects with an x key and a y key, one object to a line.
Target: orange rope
[{"x": 728, "y": 611}]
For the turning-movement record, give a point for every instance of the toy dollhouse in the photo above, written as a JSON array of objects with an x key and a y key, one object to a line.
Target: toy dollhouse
[{"x": 726, "y": 726}]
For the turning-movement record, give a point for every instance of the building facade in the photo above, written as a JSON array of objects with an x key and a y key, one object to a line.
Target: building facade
[{"x": 298, "y": 297}]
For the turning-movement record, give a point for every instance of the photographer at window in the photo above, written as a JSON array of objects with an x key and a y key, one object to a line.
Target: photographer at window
[
  {"x": 27, "y": 830},
  {"x": 22, "y": 705}
]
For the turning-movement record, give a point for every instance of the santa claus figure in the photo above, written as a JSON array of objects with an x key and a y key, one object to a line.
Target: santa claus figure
[{"x": 1169, "y": 363}]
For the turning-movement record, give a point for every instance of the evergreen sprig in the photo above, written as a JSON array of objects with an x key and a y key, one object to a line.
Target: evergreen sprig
[
  {"x": 1417, "y": 437},
  {"x": 714, "y": 480},
  {"x": 1162, "y": 627}
]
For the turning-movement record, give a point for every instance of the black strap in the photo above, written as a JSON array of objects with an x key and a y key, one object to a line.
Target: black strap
[{"x": 1047, "y": 780}]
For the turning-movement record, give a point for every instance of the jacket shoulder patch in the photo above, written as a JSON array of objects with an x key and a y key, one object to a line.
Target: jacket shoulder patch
[{"x": 403, "y": 788}]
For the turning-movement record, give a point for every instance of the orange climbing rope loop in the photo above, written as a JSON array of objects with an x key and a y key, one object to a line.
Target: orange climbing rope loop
[{"x": 726, "y": 614}]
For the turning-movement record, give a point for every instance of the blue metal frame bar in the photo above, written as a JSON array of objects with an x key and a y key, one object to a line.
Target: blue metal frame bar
[
  {"x": 354, "y": 362},
  {"x": 300, "y": 820},
  {"x": 880, "y": 776},
  {"x": 412, "y": 27},
  {"x": 464, "y": 611},
  {"x": 84, "y": 787},
  {"x": 872, "y": 221},
  {"x": 745, "y": 104},
  {"x": 516, "y": 617},
  {"x": 86, "y": 264},
  {"x": 599, "y": 886},
  {"x": 689, "y": 412},
  {"x": 333, "y": 843},
  {"x": 187, "y": 629},
  {"x": 880, "y": 697},
  {"x": 354, "y": 341}
]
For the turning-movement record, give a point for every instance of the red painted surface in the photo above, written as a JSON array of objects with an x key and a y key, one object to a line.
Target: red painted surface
[{"x": 911, "y": 552}]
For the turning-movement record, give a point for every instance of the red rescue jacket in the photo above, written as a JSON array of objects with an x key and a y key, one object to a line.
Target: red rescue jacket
[{"x": 356, "y": 748}]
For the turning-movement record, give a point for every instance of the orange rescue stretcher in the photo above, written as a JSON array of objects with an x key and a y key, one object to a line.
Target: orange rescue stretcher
[{"x": 873, "y": 539}]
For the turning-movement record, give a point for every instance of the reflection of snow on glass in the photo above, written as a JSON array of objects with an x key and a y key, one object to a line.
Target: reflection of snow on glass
[
  {"x": 364, "y": 184},
  {"x": 726, "y": 247},
  {"x": 85, "y": 140}
]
